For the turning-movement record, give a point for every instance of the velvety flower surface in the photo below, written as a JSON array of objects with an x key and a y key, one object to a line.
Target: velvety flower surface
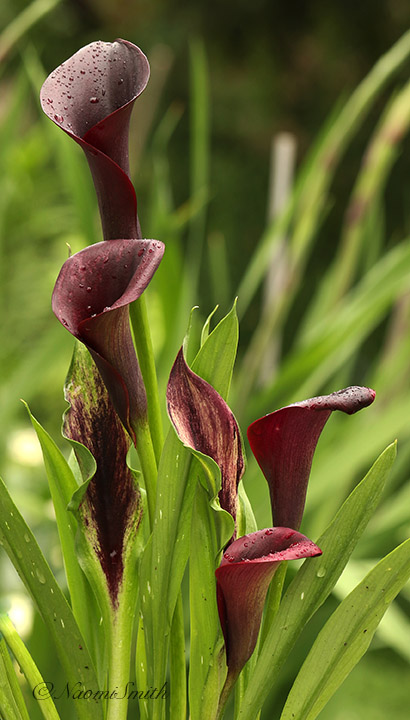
[
  {"x": 284, "y": 442},
  {"x": 243, "y": 578},
  {"x": 91, "y": 298},
  {"x": 90, "y": 96},
  {"x": 204, "y": 422}
]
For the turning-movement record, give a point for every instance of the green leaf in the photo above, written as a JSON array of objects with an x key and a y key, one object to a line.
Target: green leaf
[
  {"x": 346, "y": 636},
  {"x": 216, "y": 358},
  {"x": 28, "y": 667},
  {"x": 207, "y": 325},
  {"x": 26, "y": 556},
  {"x": 315, "y": 581},
  {"x": 10, "y": 691},
  {"x": 62, "y": 486}
]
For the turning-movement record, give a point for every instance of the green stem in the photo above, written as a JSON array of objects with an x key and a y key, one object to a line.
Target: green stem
[
  {"x": 148, "y": 462},
  {"x": 119, "y": 666},
  {"x": 141, "y": 668},
  {"x": 143, "y": 344},
  {"x": 120, "y": 636},
  {"x": 177, "y": 664},
  {"x": 230, "y": 681}
]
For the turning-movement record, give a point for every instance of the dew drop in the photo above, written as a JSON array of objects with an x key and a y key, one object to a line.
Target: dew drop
[
  {"x": 94, "y": 100},
  {"x": 58, "y": 118},
  {"x": 140, "y": 252},
  {"x": 89, "y": 288},
  {"x": 26, "y": 537},
  {"x": 40, "y": 577},
  {"x": 321, "y": 572}
]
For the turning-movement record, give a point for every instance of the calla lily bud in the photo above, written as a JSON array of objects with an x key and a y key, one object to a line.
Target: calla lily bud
[{"x": 204, "y": 422}]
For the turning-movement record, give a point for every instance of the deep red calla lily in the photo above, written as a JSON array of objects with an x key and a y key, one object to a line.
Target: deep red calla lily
[
  {"x": 204, "y": 422},
  {"x": 90, "y": 96},
  {"x": 243, "y": 578},
  {"x": 91, "y": 298},
  {"x": 284, "y": 442}
]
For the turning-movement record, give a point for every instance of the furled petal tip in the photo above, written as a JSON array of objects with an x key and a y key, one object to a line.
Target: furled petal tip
[
  {"x": 91, "y": 298},
  {"x": 243, "y": 578},
  {"x": 204, "y": 422},
  {"x": 90, "y": 96},
  {"x": 284, "y": 442}
]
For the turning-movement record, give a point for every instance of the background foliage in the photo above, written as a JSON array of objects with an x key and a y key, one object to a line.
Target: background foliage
[{"x": 226, "y": 79}]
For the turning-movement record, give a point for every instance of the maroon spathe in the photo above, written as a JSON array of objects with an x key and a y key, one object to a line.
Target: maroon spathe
[{"x": 91, "y": 96}]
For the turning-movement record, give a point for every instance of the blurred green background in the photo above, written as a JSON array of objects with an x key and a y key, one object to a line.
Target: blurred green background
[{"x": 230, "y": 80}]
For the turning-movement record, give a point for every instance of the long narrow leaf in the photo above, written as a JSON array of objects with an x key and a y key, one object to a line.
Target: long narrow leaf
[
  {"x": 26, "y": 556},
  {"x": 28, "y": 667},
  {"x": 346, "y": 636}
]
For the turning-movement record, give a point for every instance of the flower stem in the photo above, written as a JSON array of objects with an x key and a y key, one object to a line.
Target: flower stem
[
  {"x": 148, "y": 462},
  {"x": 143, "y": 345},
  {"x": 230, "y": 681},
  {"x": 119, "y": 669}
]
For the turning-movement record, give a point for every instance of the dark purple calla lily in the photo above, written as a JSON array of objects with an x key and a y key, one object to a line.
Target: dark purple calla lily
[
  {"x": 243, "y": 578},
  {"x": 284, "y": 442},
  {"x": 111, "y": 507},
  {"x": 90, "y": 96},
  {"x": 204, "y": 422},
  {"x": 91, "y": 298}
]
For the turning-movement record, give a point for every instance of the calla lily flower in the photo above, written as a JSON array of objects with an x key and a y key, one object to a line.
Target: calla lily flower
[
  {"x": 204, "y": 422},
  {"x": 90, "y": 96},
  {"x": 243, "y": 578},
  {"x": 111, "y": 507},
  {"x": 91, "y": 298},
  {"x": 284, "y": 442}
]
